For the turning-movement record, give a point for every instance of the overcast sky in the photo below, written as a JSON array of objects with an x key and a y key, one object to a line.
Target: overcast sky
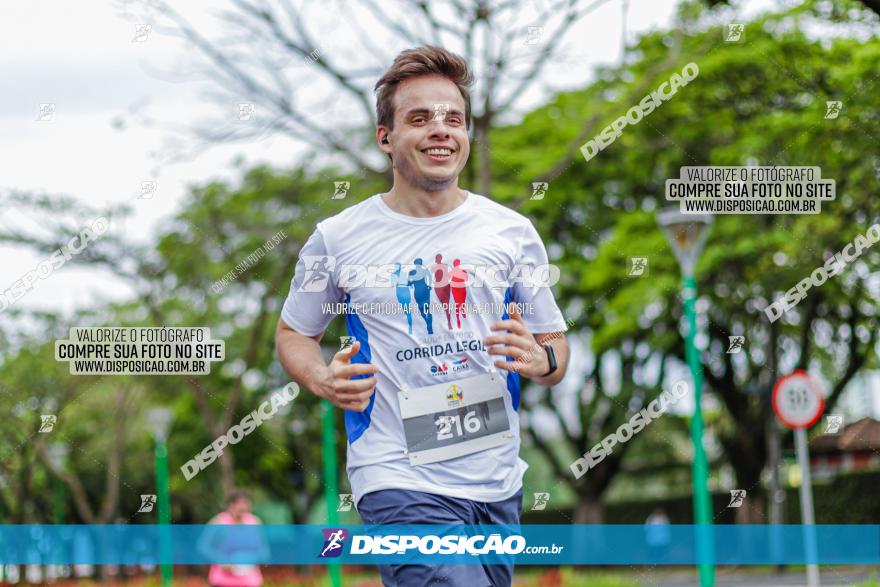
[{"x": 81, "y": 57}]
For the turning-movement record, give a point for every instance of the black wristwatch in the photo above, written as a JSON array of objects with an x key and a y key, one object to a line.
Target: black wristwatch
[{"x": 551, "y": 356}]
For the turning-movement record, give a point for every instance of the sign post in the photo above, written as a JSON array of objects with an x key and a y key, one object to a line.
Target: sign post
[{"x": 798, "y": 402}]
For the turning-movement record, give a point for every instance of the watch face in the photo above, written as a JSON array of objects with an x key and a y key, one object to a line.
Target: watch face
[{"x": 551, "y": 356}]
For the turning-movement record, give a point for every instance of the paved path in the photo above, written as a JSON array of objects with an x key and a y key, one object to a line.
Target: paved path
[{"x": 741, "y": 577}]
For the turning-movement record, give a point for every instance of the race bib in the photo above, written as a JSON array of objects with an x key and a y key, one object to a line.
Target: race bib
[{"x": 449, "y": 420}]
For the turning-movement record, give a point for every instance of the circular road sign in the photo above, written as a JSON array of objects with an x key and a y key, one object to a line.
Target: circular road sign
[{"x": 797, "y": 400}]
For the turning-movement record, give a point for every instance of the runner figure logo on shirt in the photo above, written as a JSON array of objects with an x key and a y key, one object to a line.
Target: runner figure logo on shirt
[
  {"x": 440, "y": 271},
  {"x": 421, "y": 284},
  {"x": 459, "y": 291},
  {"x": 401, "y": 289},
  {"x": 417, "y": 285}
]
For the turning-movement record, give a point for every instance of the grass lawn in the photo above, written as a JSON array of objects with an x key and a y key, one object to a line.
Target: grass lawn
[{"x": 315, "y": 577}]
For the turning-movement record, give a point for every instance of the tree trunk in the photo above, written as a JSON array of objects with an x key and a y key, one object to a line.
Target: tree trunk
[
  {"x": 484, "y": 160},
  {"x": 752, "y": 510},
  {"x": 588, "y": 510},
  {"x": 227, "y": 473}
]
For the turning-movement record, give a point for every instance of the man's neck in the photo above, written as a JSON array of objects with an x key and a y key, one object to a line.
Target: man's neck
[{"x": 421, "y": 204}]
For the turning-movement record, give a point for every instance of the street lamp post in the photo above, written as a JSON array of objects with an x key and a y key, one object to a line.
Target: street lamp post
[
  {"x": 328, "y": 436},
  {"x": 57, "y": 454},
  {"x": 687, "y": 234},
  {"x": 159, "y": 420}
]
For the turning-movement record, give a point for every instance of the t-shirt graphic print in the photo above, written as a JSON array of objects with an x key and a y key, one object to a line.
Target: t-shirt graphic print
[{"x": 420, "y": 295}]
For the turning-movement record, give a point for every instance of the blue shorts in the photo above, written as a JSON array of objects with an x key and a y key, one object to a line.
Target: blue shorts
[{"x": 402, "y": 506}]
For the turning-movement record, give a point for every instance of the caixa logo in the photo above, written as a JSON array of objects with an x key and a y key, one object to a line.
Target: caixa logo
[
  {"x": 334, "y": 541},
  {"x": 444, "y": 368}
]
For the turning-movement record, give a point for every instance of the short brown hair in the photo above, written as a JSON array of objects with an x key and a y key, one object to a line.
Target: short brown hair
[
  {"x": 424, "y": 60},
  {"x": 236, "y": 495}
]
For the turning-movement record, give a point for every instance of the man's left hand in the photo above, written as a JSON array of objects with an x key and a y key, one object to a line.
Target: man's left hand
[{"x": 529, "y": 357}]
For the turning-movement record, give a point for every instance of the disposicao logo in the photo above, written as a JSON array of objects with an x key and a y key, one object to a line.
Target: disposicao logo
[{"x": 334, "y": 539}]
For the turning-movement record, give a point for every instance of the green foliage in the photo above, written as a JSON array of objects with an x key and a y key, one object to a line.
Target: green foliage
[
  {"x": 218, "y": 228},
  {"x": 846, "y": 499},
  {"x": 758, "y": 102}
]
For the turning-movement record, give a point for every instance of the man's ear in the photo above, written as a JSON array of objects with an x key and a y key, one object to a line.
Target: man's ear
[{"x": 383, "y": 137}]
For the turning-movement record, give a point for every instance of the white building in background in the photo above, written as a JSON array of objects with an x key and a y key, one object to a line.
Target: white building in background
[{"x": 855, "y": 448}]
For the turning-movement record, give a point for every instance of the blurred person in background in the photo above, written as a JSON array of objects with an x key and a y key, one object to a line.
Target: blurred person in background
[
  {"x": 227, "y": 547},
  {"x": 658, "y": 535}
]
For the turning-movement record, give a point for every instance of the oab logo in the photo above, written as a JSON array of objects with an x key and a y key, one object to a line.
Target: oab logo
[{"x": 334, "y": 540}]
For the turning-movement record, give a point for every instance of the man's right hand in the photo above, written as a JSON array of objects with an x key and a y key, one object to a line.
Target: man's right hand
[{"x": 335, "y": 386}]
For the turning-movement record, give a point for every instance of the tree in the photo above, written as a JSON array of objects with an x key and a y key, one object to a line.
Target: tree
[
  {"x": 872, "y": 5},
  {"x": 36, "y": 385},
  {"x": 211, "y": 265},
  {"x": 761, "y": 101},
  {"x": 275, "y": 59}
]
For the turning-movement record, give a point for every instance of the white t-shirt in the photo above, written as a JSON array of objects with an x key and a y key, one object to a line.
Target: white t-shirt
[{"x": 482, "y": 244}]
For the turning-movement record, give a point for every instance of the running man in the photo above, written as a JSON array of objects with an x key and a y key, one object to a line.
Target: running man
[{"x": 405, "y": 463}]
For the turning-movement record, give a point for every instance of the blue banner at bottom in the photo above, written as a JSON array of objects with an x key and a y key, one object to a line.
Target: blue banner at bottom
[{"x": 524, "y": 544}]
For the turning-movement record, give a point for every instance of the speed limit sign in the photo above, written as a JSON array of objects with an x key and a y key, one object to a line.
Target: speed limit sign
[
  {"x": 799, "y": 404},
  {"x": 797, "y": 400}
]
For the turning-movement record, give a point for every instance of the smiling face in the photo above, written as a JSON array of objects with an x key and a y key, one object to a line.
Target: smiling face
[{"x": 429, "y": 143}]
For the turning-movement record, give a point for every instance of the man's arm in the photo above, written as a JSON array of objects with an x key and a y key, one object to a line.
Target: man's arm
[
  {"x": 529, "y": 356},
  {"x": 300, "y": 355},
  {"x": 560, "y": 348},
  {"x": 302, "y": 359}
]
